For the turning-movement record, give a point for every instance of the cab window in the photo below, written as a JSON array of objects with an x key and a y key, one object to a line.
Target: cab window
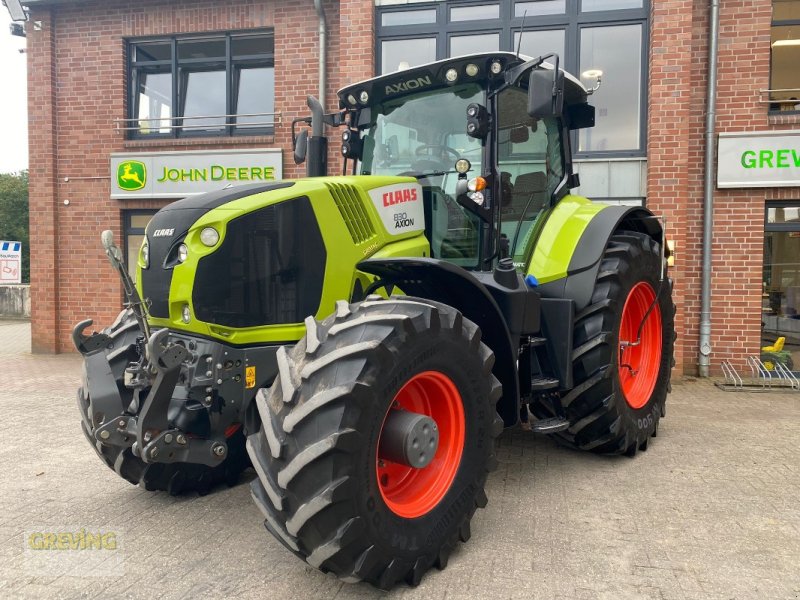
[{"x": 530, "y": 166}]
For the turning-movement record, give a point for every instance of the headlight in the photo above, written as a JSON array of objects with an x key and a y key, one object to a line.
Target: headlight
[
  {"x": 145, "y": 254},
  {"x": 209, "y": 236},
  {"x": 186, "y": 314},
  {"x": 183, "y": 253},
  {"x": 463, "y": 166},
  {"x": 476, "y": 197}
]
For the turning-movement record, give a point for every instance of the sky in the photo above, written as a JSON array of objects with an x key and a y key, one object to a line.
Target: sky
[{"x": 13, "y": 100}]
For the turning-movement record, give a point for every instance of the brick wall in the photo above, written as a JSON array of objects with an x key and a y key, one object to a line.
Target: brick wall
[
  {"x": 668, "y": 136},
  {"x": 676, "y": 163},
  {"x": 77, "y": 89},
  {"x": 77, "y": 82}
]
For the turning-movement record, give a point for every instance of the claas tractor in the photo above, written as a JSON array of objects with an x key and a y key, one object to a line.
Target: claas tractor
[{"x": 362, "y": 339}]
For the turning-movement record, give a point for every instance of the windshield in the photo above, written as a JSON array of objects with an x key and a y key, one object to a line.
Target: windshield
[{"x": 424, "y": 135}]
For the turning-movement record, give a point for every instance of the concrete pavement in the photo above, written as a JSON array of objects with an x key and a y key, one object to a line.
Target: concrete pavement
[{"x": 711, "y": 510}]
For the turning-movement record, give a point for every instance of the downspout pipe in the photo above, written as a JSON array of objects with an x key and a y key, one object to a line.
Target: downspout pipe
[{"x": 708, "y": 193}]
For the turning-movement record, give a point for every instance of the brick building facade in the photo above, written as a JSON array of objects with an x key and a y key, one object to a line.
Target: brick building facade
[{"x": 79, "y": 78}]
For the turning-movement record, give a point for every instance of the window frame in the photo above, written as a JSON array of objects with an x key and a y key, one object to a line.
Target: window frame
[
  {"x": 792, "y": 226},
  {"x": 128, "y": 229},
  {"x": 774, "y": 106},
  {"x": 179, "y": 70},
  {"x": 572, "y": 21}
]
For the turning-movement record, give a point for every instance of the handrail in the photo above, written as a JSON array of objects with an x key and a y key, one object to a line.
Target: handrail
[
  {"x": 172, "y": 122},
  {"x": 779, "y": 90}
]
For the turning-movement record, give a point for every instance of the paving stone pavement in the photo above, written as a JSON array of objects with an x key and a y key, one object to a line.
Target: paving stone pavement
[{"x": 711, "y": 510}]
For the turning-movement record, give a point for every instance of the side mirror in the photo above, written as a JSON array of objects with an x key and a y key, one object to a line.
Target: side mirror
[
  {"x": 301, "y": 147},
  {"x": 545, "y": 93}
]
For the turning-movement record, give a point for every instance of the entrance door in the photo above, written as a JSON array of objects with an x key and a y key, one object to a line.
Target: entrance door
[{"x": 781, "y": 292}]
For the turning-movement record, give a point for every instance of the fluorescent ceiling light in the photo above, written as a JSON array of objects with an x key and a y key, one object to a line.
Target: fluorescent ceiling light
[
  {"x": 780, "y": 43},
  {"x": 16, "y": 10}
]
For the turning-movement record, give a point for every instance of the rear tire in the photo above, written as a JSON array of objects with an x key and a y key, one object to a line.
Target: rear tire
[
  {"x": 321, "y": 484},
  {"x": 175, "y": 478},
  {"x": 613, "y": 408}
]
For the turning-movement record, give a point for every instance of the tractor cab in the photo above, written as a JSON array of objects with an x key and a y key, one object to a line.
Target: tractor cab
[{"x": 485, "y": 135}]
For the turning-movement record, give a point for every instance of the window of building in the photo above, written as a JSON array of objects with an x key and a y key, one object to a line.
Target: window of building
[
  {"x": 134, "y": 223},
  {"x": 785, "y": 56},
  {"x": 781, "y": 293},
  {"x": 617, "y": 51},
  {"x": 590, "y": 36},
  {"x": 406, "y": 53},
  {"x": 202, "y": 85}
]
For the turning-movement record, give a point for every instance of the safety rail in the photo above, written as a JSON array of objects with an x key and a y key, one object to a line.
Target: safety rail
[
  {"x": 762, "y": 379},
  {"x": 175, "y": 123},
  {"x": 785, "y": 102}
]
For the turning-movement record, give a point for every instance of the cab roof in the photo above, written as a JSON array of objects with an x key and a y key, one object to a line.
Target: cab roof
[{"x": 432, "y": 76}]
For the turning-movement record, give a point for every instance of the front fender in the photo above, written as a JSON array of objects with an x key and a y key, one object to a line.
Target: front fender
[{"x": 450, "y": 284}]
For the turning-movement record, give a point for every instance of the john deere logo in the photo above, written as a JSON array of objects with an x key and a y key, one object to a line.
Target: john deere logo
[{"x": 131, "y": 175}]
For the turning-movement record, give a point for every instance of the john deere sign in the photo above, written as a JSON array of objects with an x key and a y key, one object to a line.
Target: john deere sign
[
  {"x": 181, "y": 174},
  {"x": 131, "y": 175},
  {"x": 759, "y": 159}
]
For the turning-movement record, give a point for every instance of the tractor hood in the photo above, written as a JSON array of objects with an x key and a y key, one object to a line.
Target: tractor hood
[{"x": 256, "y": 256}]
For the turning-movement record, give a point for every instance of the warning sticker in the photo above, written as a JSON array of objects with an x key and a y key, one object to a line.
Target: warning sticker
[{"x": 250, "y": 377}]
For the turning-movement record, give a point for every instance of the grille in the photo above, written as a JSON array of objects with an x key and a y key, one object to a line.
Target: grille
[
  {"x": 268, "y": 270},
  {"x": 350, "y": 204}
]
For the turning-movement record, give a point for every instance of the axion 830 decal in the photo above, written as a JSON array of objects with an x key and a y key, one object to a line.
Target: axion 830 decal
[{"x": 400, "y": 207}]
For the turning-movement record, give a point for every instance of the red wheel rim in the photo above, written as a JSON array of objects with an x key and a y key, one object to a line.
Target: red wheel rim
[
  {"x": 410, "y": 492},
  {"x": 639, "y": 365}
]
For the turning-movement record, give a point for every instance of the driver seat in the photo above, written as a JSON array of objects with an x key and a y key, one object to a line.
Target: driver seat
[{"x": 528, "y": 184}]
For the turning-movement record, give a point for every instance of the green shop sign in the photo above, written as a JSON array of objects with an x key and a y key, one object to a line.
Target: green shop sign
[
  {"x": 758, "y": 159},
  {"x": 181, "y": 174}
]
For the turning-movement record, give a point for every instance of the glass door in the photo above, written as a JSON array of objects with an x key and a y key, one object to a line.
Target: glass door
[{"x": 781, "y": 286}]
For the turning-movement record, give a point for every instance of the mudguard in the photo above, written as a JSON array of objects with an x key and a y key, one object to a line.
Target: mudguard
[
  {"x": 450, "y": 284},
  {"x": 584, "y": 261}
]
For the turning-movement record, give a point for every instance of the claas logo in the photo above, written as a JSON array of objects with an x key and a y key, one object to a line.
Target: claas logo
[
  {"x": 131, "y": 175},
  {"x": 399, "y": 196}
]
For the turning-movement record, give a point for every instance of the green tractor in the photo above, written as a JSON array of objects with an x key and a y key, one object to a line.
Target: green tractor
[{"x": 361, "y": 340}]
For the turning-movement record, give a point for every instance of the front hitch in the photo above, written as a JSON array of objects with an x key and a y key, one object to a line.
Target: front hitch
[
  {"x": 88, "y": 344},
  {"x": 149, "y": 434}
]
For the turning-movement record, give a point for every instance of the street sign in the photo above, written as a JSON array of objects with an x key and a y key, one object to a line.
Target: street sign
[{"x": 10, "y": 262}]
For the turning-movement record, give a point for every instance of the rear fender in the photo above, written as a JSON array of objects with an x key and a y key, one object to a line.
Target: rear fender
[
  {"x": 584, "y": 264},
  {"x": 450, "y": 284}
]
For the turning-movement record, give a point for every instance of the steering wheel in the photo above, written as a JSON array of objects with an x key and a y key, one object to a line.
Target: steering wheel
[{"x": 431, "y": 150}]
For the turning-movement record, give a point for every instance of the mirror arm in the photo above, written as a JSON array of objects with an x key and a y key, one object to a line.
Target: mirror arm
[
  {"x": 306, "y": 120},
  {"x": 483, "y": 213},
  {"x": 513, "y": 75}
]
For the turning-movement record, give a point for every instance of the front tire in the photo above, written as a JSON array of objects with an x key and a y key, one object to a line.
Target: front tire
[
  {"x": 620, "y": 390},
  {"x": 325, "y": 489}
]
